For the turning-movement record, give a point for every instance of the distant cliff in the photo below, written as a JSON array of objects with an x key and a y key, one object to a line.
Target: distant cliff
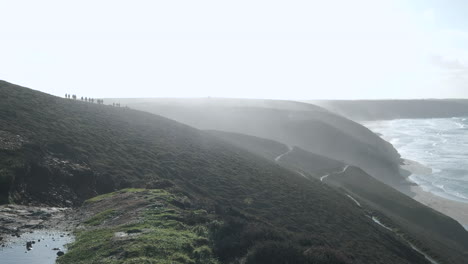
[
  {"x": 396, "y": 109},
  {"x": 295, "y": 124}
]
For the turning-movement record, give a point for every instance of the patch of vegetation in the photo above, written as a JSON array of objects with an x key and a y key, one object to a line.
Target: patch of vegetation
[
  {"x": 100, "y": 218},
  {"x": 107, "y": 195},
  {"x": 160, "y": 235},
  {"x": 278, "y": 253}
]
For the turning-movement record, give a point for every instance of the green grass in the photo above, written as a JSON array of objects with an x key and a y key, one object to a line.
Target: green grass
[
  {"x": 107, "y": 195},
  {"x": 101, "y": 217},
  {"x": 159, "y": 237}
]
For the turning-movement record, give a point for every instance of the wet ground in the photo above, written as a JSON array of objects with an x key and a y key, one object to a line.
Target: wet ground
[
  {"x": 18, "y": 219},
  {"x": 38, "y": 247},
  {"x": 30, "y": 234}
]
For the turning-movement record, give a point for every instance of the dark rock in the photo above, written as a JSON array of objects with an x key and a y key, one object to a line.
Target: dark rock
[
  {"x": 60, "y": 253},
  {"x": 56, "y": 249},
  {"x": 29, "y": 245},
  {"x": 133, "y": 231}
]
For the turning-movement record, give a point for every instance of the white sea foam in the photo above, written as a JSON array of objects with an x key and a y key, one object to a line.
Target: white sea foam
[{"x": 441, "y": 144}]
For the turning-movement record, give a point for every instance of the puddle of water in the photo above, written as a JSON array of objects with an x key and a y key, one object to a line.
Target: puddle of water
[{"x": 42, "y": 252}]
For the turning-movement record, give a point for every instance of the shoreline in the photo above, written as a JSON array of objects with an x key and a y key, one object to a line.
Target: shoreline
[{"x": 454, "y": 209}]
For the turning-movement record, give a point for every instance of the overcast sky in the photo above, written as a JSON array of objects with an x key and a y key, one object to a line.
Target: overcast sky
[{"x": 327, "y": 49}]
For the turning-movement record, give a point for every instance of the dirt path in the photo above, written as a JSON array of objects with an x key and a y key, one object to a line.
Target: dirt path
[
  {"x": 290, "y": 149},
  {"x": 340, "y": 172},
  {"x": 378, "y": 222},
  {"x": 431, "y": 260},
  {"x": 354, "y": 200}
]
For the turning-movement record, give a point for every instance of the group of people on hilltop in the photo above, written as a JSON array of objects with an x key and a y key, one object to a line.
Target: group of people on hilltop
[
  {"x": 86, "y": 99},
  {"x": 69, "y": 95}
]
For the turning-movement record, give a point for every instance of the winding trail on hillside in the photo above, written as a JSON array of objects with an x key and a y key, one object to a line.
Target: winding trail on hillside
[
  {"x": 302, "y": 174},
  {"x": 377, "y": 221},
  {"x": 340, "y": 172},
  {"x": 374, "y": 218},
  {"x": 354, "y": 200},
  {"x": 290, "y": 149}
]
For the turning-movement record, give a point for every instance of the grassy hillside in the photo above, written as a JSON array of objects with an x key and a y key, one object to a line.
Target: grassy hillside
[
  {"x": 296, "y": 160},
  {"x": 58, "y": 151},
  {"x": 296, "y": 124},
  {"x": 266, "y": 148},
  {"x": 412, "y": 218},
  {"x": 433, "y": 231},
  {"x": 397, "y": 109}
]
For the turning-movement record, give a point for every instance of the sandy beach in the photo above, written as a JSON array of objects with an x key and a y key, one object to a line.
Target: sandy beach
[{"x": 456, "y": 210}]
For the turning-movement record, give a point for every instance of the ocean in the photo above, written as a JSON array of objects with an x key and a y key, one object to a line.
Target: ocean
[{"x": 440, "y": 144}]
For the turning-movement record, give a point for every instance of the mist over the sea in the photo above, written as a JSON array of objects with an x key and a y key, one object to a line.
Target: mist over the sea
[{"x": 440, "y": 144}]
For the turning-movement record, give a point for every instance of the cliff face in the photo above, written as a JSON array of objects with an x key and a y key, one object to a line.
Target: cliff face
[{"x": 296, "y": 124}]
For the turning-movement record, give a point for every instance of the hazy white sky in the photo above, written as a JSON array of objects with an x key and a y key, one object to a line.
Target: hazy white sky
[{"x": 325, "y": 49}]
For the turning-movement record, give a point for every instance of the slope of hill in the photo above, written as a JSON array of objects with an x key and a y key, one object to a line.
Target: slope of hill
[
  {"x": 406, "y": 215},
  {"x": 296, "y": 158},
  {"x": 58, "y": 151},
  {"x": 313, "y": 128},
  {"x": 419, "y": 223},
  {"x": 397, "y": 109}
]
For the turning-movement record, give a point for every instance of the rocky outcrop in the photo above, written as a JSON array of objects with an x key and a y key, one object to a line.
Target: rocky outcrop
[
  {"x": 46, "y": 179},
  {"x": 10, "y": 141},
  {"x": 15, "y": 220}
]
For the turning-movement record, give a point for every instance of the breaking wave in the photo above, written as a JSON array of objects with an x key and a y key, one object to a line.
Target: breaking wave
[{"x": 440, "y": 144}]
